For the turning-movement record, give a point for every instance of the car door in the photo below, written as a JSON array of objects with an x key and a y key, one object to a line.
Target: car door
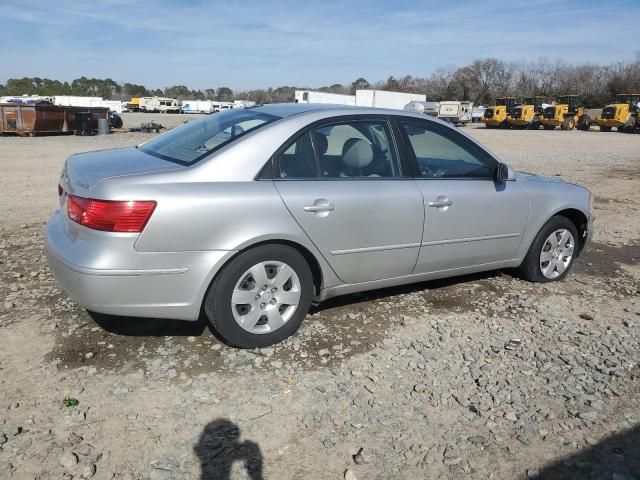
[
  {"x": 343, "y": 184},
  {"x": 470, "y": 218}
]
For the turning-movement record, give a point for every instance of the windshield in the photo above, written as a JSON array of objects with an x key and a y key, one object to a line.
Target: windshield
[{"x": 195, "y": 140}]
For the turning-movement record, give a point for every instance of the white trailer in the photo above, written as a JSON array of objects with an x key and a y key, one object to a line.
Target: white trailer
[
  {"x": 159, "y": 104},
  {"x": 243, "y": 103},
  {"x": 384, "y": 99},
  {"x": 77, "y": 101},
  {"x": 425, "y": 108},
  {"x": 309, "y": 96},
  {"x": 197, "y": 106},
  {"x": 458, "y": 113}
]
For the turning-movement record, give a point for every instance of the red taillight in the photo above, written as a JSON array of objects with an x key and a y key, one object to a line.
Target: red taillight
[
  {"x": 60, "y": 190},
  {"x": 110, "y": 216}
]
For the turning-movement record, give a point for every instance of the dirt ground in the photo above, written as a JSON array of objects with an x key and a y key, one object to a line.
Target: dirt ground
[{"x": 480, "y": 377}]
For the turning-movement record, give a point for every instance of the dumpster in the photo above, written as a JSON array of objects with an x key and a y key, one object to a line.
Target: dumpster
[{"x": 45, "y": 118}]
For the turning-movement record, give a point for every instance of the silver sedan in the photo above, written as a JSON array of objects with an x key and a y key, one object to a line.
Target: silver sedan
[{"x": 249, "y": 216}]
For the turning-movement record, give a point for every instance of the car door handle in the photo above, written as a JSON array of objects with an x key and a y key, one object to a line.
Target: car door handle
[
  {"x": 441, "y": 203},
  {"x": 320, "y": 208}
]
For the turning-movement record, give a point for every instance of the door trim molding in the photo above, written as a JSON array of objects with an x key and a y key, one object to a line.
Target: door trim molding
[
  {"x": 374, "y": 249},
  {"x": 470, "y": 239}
]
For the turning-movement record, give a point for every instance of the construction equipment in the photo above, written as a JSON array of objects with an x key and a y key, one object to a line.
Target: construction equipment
[
  {"x": 497, "y": 116},
  {"x": 567, "y": 113},
  {"x": 527, "y": 114},
  {"x": 622, "y": 114}
]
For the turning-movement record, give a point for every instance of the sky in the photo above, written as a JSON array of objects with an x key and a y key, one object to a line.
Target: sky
[{"x": 256, "y": 44}]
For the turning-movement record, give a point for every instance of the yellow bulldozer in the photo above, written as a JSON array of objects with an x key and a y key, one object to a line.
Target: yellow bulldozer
[
  {"x": 497, "y": 116},
  {"x": 566, "y": 113},
  {"x": 527, "y": 114},
  {"x": 622, "y": 114}
]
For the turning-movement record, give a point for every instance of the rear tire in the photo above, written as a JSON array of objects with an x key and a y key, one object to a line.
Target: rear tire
[
  {"x": 532, "y": 268},
  {"x": 568, "y": 124},
  {"x": 584, "y": 123},
  {"x": 231, "y": 320}
]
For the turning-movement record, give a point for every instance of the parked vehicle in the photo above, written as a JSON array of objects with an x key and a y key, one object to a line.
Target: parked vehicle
[
  {"x": 115, "y": 120},
  {"x": 497, "y": 116},
  {"x": 252, "y": 214},
  {"x": 425, "y": 108},
  {"x": 567, "y": 113},
  {"x": 197, "y": 106},
  {"x": 527, "y": 114},
  {"x": 158, "y": 105},
  {"x": 477, "y": 113},
  {"x": 384, "y": 99},
  {"x": 90, "y": 102},
  {"x": 309, "y": 96},
  {"x": 621, "y": 114},
  {"x": 458, "y": 113}
]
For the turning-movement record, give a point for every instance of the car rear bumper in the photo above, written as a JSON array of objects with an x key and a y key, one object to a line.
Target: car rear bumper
[{"x": 104, "y": 273}]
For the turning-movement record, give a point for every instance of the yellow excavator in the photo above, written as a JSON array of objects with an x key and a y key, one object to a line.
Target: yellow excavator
[
  {"x": 566, "y": 113},
  {"x": 622, "y": 114},
  {"x": 527, "y": 114},
  {"x": 497, "y": 116}
]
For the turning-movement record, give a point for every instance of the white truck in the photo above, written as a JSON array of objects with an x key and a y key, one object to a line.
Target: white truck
[
  {"x": 384, "y": 99},
  {"x": 159, "y": 104},
  {"x": 458, "y": 113},
  {"x": 425, "y": 108},
  {"x": 309, "y": 96},
  {"x": 197, "y": 106}
]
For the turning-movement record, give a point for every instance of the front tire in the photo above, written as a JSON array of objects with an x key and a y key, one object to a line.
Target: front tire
[
  {"x": 261, "y": 297},
  {"x": 552, "y": 252}
]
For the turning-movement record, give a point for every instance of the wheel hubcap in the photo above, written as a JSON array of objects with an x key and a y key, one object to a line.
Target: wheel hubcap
[
  {"x": 557, "y": 253},
  {"x": 265, "y": 297}
]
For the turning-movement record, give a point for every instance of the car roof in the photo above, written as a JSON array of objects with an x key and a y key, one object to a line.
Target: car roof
[{"x": 285, "y": 110}]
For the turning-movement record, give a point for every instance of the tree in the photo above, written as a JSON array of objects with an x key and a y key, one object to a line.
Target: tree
[
  {"x": 224, "y": 94},
  {"x": 359, "y": 84},
  {"x": 134, "y": 90}
]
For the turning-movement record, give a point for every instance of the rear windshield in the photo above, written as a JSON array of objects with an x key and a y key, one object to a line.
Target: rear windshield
[{"x": 195, "y": 140}]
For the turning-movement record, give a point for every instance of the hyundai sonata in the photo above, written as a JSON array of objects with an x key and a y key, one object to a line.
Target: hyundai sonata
[{"x": 249, "y": 216}]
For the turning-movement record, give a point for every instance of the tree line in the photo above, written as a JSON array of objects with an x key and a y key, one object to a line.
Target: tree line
[
  {"x": 106, "y": 88},
  {"x": 481, "y": 82}
]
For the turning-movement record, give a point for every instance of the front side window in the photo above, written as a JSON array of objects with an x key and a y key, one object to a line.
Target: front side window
[
  {"x": 439, "y": 156},
  {"x": 195, "y": 140}
]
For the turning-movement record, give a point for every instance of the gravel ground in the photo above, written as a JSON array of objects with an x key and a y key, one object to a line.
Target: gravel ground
[{"x": 480, "y": 377}]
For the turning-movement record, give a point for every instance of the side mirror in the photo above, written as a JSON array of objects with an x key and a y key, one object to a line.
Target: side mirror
[{"x": 504, "y": 173}]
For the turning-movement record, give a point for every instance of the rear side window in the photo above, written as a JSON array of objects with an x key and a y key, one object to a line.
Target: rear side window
[
  {"x": 357, "y": 149},
  {"x": 195, "y": 140},
  {"x": 298, "y": 160},
  {"x": 439, "y": 155}
]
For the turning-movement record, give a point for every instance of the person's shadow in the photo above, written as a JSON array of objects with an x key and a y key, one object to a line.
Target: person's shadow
[{"x": 219, "y": 446}]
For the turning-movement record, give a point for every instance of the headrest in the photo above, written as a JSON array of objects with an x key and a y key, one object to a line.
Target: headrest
[
  {"x": 321, "y": 142},
  {"x": 357, "y": 153}
]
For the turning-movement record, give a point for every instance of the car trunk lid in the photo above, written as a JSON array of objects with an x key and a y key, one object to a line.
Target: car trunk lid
[{"x": 83, "y": 171}]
